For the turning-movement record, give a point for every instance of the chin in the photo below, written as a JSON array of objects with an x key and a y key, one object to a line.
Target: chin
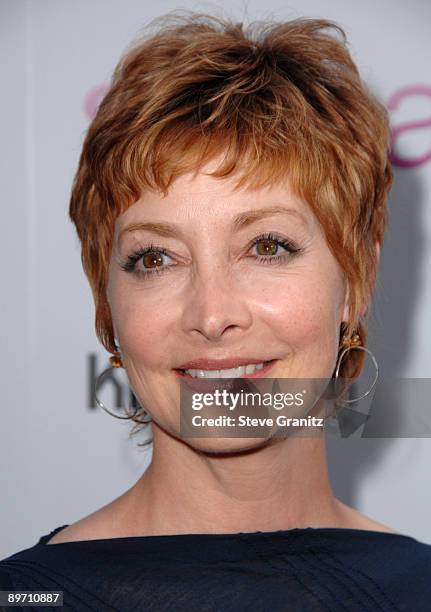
[{"x": 226, "y": 446}]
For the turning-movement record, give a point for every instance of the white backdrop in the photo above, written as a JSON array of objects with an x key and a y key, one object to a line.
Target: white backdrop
[{"x": 61, "y": 459}]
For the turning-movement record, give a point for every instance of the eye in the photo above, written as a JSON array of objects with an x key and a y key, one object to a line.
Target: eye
[
  {"x": 152, "y": 258},
  {"x": 268, "y": 248}
]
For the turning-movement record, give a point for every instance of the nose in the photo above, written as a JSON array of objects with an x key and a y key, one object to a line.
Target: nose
[{"x": 216, "y": 304}]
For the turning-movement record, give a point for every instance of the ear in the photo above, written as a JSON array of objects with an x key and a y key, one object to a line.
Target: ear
[
  {"x": 345, "y": 316},
  {"x": 347, "y": 296},
  {"x": 378, "y": 252}
]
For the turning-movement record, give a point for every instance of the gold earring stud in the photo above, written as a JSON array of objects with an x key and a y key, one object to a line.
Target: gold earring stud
[
  {"x": 350, "y": 341},
  {"x": 115, "y": 361}
]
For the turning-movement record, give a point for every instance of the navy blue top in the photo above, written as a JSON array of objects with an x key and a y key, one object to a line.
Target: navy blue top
[{"x": 296, "y": 570}]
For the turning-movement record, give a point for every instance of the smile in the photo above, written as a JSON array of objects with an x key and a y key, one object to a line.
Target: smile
[{"x": 252, "y": 370}]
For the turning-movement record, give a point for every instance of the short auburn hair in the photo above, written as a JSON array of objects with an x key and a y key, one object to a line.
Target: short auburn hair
[{"x": 275, "y": 99}]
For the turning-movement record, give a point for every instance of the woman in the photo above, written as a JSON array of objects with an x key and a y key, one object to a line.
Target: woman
[{"x": 231, "y": 204}]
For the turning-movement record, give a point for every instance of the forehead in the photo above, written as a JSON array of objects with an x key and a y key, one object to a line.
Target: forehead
[{"x": 201, "y": 197}]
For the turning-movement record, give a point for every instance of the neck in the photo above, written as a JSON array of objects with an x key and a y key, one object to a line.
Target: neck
[{"x": 279, "y": 486}]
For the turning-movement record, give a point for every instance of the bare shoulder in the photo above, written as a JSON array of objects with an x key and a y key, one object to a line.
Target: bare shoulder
[
  {"x": 73, "y": 533},
  {"x": 107, "y": 522},
  {"x": 86, "y": 528},
  {"x": 372, "y": 525},
  {"x": 353, "y": 519}
]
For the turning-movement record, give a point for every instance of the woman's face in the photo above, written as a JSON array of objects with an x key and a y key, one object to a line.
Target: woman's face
[{"x": 221, "y": 282}]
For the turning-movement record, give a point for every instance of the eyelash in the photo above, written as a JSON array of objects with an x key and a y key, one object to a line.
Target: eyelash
[{"x": 130, "y": 264}]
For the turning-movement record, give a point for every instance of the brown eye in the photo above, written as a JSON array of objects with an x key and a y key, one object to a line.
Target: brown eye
[
  {"x": 273, "y": 249},
  {"x": 267, "y": 247},
  {"x": 152, "y": 259}
]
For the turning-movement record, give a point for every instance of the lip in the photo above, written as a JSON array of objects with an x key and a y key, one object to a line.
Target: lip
[
  {"x": 209, "y": 384},
  {"x": 220, "y": 364}
]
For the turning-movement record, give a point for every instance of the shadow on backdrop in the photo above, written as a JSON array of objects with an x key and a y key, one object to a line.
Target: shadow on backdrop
[{"x": 401, "y": 270}]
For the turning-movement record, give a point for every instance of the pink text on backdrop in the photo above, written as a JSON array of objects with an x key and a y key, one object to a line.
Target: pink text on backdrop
[
  {"x": 394, "y": 104},
  {"x": 93, "y": 99}
]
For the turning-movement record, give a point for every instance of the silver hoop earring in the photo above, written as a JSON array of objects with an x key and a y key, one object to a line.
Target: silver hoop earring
[
  {"x": 355, "y": 344},
  {"x": 115, "y": 362}
]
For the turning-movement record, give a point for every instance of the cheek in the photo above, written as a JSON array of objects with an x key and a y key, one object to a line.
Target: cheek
[
  {"x": 301, "y": 309},
  {"x": 140, "y": 323}
]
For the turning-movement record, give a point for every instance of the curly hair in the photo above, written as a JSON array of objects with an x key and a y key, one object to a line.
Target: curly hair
[{"x": 275, "y": 99}]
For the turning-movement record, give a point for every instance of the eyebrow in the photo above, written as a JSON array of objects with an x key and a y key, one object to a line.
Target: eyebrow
[{"x": 241, "y": 221}]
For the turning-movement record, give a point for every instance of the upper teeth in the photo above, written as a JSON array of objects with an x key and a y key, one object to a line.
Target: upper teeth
[{"x": 231, "y": 373}]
